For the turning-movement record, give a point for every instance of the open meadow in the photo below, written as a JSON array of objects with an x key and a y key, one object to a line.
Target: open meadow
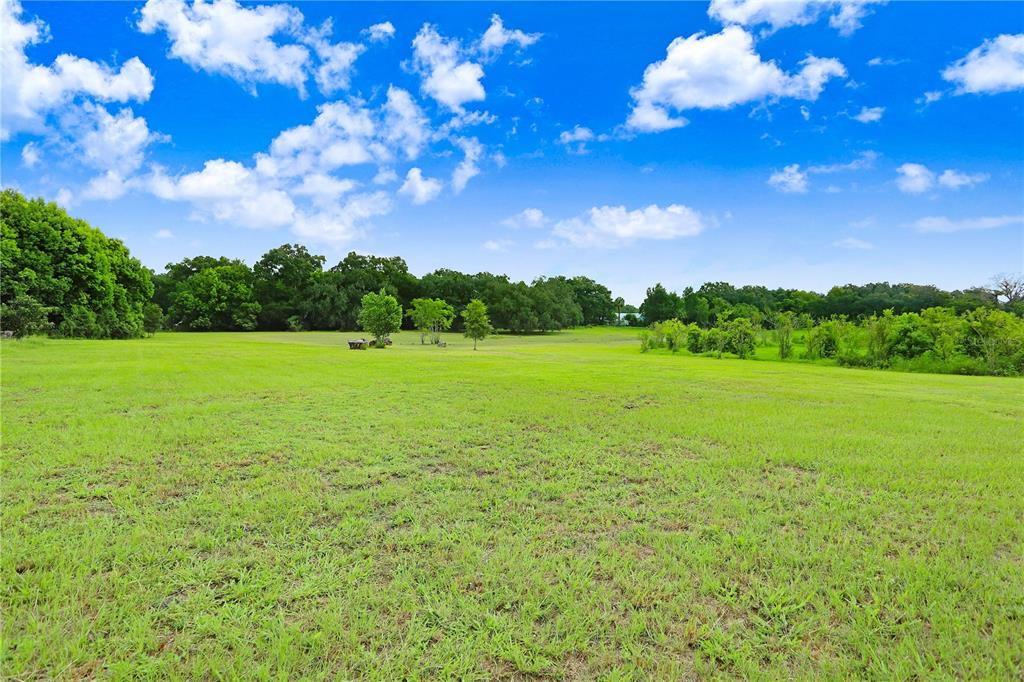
[{"x": 273, "y": 505}]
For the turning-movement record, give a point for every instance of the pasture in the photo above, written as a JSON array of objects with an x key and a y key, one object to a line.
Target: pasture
[{"x": 276, "y": 506}]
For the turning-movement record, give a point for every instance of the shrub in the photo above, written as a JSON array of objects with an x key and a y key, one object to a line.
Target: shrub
[
  {"x": 24, "y": 316},
  {"x": 740, "y": 333},
  {"x": 152, "y": 318},
  {"x": 694, "y": 339},
  {"x": 715, "y": 340}
]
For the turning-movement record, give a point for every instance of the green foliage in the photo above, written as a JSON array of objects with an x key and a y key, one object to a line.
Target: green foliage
[
  {"x": 659, "y": 305},
  {"x": 431, "y": 316},
  {"x": 24, "y": 316},
  {"x": 476, "y": 322},
  {"x": 152, "y": 318},
  {"x": 828, "y": 339},
  {"x": 71, "y": 269},
  {"x": 283, "y": 280},
  {"x": 740, "y": 333},
  {"x": 217, "y": 298},
  {"x": 784, "y": 334},
  {"x": 694, "y": 338},
  {"x": 997, "y": 337},
  {"x": 716, "y": 340},
  {"x": 381, "y": 315}
]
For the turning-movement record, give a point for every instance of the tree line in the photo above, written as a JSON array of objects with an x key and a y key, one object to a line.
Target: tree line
[
  {"x": 63, "y": 277},
  {"x": 983, "y": 340}
]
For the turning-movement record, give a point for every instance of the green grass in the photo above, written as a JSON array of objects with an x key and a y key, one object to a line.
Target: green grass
[{"x": 556, "y": 507}]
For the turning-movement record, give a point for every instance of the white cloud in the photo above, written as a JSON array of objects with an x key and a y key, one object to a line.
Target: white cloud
[
  {"x": 109, "y": 142},
  {"x": 805, "y": 112},
  {"x": 527, "y": 218},
  {"x": 30, "y": 155},
  {"x": 110, "y": 185},
  {"x": 864, "y": 161},
  {"x": 575, "y": 140},
  {"x": 914, "y": 178},
  {"x": 929, "y": 97},
  {"x": 995, "y": 66},
  {"x": 323, "y": 188},
  {"x": 608, "y": 226},
  {"x": 229, "y": 192},
  {"x": 164, "y": 234},
  {"x": 496, "y": 244},
  {"x": 853, "y": 244},
  {"x": 418, "y": 188},
  {"x": 340, "y": 135},
  {"x": 945, "y": 225},
  {"x": 226, "y": 38},
  {"x": 405, "y": 126},
  {"x": 379, "y": 33},
  {"x": 496, "y": 37},
  {"x": 869, "y": 114},
  {"x": 845, "y": 14},
  {"x": 953, "y": 179},
  {"x": 385, "y": 176},
  {"x": 337, "y": 60},
  {"x": 881, "y": 61},
  {"x": 790, "y": 180},
  {"x": 467, "y": 169},
  {"x": 32, "y": 91},
  {"x": 344, "y": 221},
  {"x": 719, "y": 71},
  {"x": 446, "y": 76}
]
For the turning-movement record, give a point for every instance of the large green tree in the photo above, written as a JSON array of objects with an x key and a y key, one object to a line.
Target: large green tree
[
  {"x": 88, "y": 283},
  {"x": 283, "y": 280},
  {"x": 381, "y": 315}
]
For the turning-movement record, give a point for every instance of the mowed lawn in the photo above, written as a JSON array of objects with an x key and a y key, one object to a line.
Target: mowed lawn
[{"x": 556, "y": 507}]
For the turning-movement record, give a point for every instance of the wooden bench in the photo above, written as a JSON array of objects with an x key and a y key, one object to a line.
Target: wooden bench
[{"x": 358, "y": 344}]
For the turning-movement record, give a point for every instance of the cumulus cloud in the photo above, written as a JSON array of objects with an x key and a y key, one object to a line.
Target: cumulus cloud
[
  {"x": 527, "y": 218},
  {"x": 164, "y": 234},
  {"x": 869, "y": 114},
  {"x": 223, "y": 37},
  {"x": 31, "y": 92},
  {"x": 497, "y": 37},
  {"x": 30, "y": 155},
  {"x": 789, "y": 180},
  {"x": 345, "y": 220},
  {"x": 719, "y": 71},
  {"x": 108, "y": 142},
  {"x": 418, "y": 188},
  {"x": 405, "y": 126},
  {"x": 844, "y": 15},
  {"x": 864, "y": 161},
  {"x": 379, "y": 33},
  {"x": 995, "y": 66},
  {"x": 946, "y": 225},
  {"x": 446, "y": 76},
  {"x": 953, "y": 179},
  {"x": 916, "y": 178},
  {"x": 576, "y": 140},
  {"x": 609, "y": 226},
  {"x": 337, "y": 60},
  {"x": 468, "y": 168}
]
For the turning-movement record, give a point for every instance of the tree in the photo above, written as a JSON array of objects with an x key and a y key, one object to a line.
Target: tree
[
  {"x": 619, "y": 303},
  {"x": 715, "y": 339},
  {"x": 1008, "y": 289},
  {"x": 431, "y": 316},
  {"x": 283, "y": 280},
  {"x": 476, "y": 321},
  {"x": 381, "y": 315},
  {"x": 741, "y": 337},
  {"x": 784, "y": 334},
  {"x": 69, "y": 268},
  {"x": 24, "y": 316},
  {"x": 998, "y": 337},
  {"x": 152, "y": 318},
  {"x": 659, "y": 305},
  {"x": 595, "y": 300},
  {"x": 216, "y": 299}
]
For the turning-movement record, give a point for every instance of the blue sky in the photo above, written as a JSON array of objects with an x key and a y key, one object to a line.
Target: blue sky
[{"x": 800, "y": 144}]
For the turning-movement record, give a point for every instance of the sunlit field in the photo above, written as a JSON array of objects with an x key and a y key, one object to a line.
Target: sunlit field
[{"x": 274, "y": 505}]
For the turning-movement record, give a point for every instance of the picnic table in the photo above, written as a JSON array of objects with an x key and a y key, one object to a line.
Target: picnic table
[{"x": 358, "y": 344}]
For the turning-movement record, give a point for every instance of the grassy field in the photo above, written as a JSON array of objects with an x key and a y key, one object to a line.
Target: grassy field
[{"x": 555, "y": 507}]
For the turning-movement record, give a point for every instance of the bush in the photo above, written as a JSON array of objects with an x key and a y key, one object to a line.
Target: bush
[
  {"x": 740, "y": 333},
  {"x": 694, "y": 339},
  {"x": 295, "y": 324},
  {"x": 24, "y": 316},
  {"x": 715, "y": 340},
  {"x": 152, "y": 318}
]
